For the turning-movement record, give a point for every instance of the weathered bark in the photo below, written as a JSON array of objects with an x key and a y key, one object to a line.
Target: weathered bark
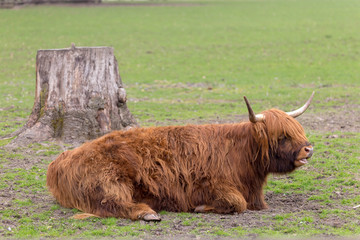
[{"x": 79, "y": 96}]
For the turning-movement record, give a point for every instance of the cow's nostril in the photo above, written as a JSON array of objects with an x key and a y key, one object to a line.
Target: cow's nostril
[{"x": 309, "y": 151}]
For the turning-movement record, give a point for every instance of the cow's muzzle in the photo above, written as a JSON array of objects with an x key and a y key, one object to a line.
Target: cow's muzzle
[{"x": 304, "y": 154}]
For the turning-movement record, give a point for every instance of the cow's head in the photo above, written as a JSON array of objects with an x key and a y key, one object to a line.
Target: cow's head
[{"x": 284, "y": 145}]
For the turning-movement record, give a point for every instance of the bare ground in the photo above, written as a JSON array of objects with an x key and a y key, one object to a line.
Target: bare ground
[{"x": 344, "y": 119}]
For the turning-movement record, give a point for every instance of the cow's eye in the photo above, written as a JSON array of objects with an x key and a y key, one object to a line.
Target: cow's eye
[{"x": 283, "y": 139}]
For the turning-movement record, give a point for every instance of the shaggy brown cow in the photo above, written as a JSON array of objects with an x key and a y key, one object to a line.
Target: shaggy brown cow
[{"x": 219, "y": 168}]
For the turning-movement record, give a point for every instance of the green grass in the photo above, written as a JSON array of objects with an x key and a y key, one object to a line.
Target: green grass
[
  {"x": 193, "y": 62},
  {"x": 306, "y": 224},
  {"x": 25, "y": 180},
  {"x": 267, "y": 50}
]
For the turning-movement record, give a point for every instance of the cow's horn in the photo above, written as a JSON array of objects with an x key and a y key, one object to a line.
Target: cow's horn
[
  {"x": 301, "y": 110},
  {"x": 252, "y": 117}
]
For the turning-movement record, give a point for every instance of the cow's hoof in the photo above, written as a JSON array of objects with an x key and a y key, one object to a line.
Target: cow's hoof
[
  {"x": 152, "y": 217},
  {"x": 200, "y": 209},
  {"x": 203, "y": 209}
]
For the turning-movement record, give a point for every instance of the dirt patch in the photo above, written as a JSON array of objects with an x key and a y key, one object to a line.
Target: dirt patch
[{"x": 339, "y": 118}]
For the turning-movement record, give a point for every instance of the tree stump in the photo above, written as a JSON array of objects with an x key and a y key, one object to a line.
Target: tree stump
[{"x": 79, "y": 96}]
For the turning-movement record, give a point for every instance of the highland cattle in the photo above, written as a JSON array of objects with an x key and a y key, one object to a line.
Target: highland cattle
[{"x": 219, "y": 168}]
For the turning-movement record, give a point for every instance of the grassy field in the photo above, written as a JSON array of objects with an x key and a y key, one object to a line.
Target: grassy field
[{"x": 193, "y": 61}]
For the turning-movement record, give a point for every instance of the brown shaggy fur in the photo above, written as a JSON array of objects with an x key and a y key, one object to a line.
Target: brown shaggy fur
[{"x": 217, "y": 167}]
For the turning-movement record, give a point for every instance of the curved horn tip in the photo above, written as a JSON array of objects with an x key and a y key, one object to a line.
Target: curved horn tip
[
  {"x": 310, "y": 98},
  {"x": 252, "y": 116},
  {"x": 301, "y": 110},
  {"x": 312, "y": 95},
  {"x": 247, "y": 104}
]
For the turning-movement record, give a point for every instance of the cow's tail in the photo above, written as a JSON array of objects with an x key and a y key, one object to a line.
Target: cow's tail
[{"x": 80, "y": 216}]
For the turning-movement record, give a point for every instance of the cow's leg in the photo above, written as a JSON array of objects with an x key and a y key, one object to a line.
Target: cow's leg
[
  {"x": 227, "y": 199},
  {"x": 114, "y": 199},
  {"x": 140, "y": 211},
  {"x": 133, "y": 211},
  {"x": 256, "y": 201},
  {"x": 118, "y": 201}
]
